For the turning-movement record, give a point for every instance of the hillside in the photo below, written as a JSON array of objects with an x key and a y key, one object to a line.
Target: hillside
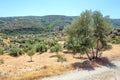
[
  {"x": 33, "y": 24},
  {"x": 115, "y": 22},
  {"x": 38, "y": 24}
]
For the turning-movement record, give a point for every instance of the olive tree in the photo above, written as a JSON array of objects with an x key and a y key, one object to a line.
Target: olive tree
[
  {"x": 80, "y": 31},
  {"x": 102, "y": 27},
  {"x": 86, "y": 32},
  {"x": 72, "y": 44},
  {"x": 31, "y": 53}
]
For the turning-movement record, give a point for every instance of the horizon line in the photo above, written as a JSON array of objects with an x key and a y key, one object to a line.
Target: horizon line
[{"x": 45, "y": 15}]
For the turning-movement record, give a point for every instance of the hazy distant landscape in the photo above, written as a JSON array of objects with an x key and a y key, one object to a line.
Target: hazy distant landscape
[{"x": 38, "y": 24}]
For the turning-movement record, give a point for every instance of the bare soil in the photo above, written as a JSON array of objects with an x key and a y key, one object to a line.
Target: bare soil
[{"x": 14, "y": 66}]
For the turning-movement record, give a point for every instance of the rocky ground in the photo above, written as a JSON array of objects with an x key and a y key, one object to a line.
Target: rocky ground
[{"x": 107, "y": 72}]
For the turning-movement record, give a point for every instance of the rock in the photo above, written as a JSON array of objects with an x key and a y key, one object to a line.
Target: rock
[
  {"x": 3, "y": 73},
  {"x": 37, "y": 69}
]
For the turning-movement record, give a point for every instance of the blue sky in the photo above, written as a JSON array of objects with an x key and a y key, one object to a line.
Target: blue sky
[{"x": 58, "y": 7}]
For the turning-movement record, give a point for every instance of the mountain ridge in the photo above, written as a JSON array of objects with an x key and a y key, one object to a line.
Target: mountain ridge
[{"x": 38, "y": 24}]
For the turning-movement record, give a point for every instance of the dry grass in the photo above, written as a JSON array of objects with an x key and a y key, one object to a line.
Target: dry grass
[
  {"x": 6, "y": 78},
  {"x": 52, "y": 68},
  {"x": 48, "y": 71}
]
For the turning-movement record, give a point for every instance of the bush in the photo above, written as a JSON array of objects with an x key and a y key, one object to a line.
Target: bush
[
  {"x": 1, "y": 51},
  {"x": 52, "y": 43},
  {"x": 15, "y": 51},
  {"x": 60, "y": 58},
  {"x": 53, "y": 49},
  {"x": 1, "y": 61},
  {"x": 56, "y": 48},
  {"x": 116, "y": 40},
  {"x": 1, "y": 43},
  {"x": 26, "y": 47},
  {"x": 41, "y": 47},
  {"x": 25, "y": 50},
  {"x": 4, "y": 36},
  {"x": 39, "y": 39}
]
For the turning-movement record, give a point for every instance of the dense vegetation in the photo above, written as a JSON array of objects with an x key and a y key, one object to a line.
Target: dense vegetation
[
  {"x": 33, "y": 24},
  {"x": 38, "y": 24}
]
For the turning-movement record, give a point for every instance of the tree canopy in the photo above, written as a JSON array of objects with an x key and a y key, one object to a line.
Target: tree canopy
[{"x": 86, "y": 32}]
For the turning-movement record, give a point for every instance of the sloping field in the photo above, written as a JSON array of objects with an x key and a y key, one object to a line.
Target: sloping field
[{"x": 44, "y": 65}]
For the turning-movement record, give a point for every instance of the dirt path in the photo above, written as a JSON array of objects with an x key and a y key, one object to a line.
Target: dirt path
[{"x": 102, "y": 73}]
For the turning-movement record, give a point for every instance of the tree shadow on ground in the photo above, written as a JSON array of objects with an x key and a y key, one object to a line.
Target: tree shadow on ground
[
  {"x": 90, "y": 65},
  {"x": 30, "y": 61},
  {"x": 105, "y": 62},
  {"x": 86, "y": 65},
  {"x": 80, "y": 57},
  {"x": 67, "y": 52},
  {"x": 52, "y": 56}
]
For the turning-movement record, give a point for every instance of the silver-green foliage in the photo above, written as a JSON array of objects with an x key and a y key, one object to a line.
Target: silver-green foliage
[
  {"x": 60, "y": 58},
  {"x": 1, "y": 61},
  {"x": 56, "y": 48},
  {"x": 41, "y": 47},
  {"x": 1, "y": 51},
  {"x": 86, "y": 32},
  {"x": 14, "y": 50},
  {"x": 31, "y": 53}
]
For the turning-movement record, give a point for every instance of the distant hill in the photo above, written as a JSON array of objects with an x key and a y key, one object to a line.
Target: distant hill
[
  {"x": 33, "y": 24},
  {"x": 115, "y": 22},
  {"x": 38, "y": 24}
]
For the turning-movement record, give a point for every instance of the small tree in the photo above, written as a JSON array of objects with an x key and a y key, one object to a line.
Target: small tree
[
  {"x": 31, "y": 53},
  {"x": 80, "y": 34}
]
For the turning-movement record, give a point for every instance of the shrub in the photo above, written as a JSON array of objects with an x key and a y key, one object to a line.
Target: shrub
[
  {"x": 1, "y": 43},
  {"x": 41, "y": 47},
  {"x": 1, "y": 61},
  {"x": 23, "y": 45},
  {"x": 52, "y": 43},
  {"x": 116, "y": 40},
  {"x": 15, "y": 51},
  {"x": 56, "y": 48},
  {"x": 6, "y": 48},
  {"x": 113, "y": 41},
  {"x": 39, "y": 39},
  {"x": 4, "y": 36},
  {"x": 27, "y": 47},
  {"x": 60, "y": 58},
  {"x": 1, "y": 51},
  {"x": 53, "y": 49},
  {"x": 25, "y": 50}
]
